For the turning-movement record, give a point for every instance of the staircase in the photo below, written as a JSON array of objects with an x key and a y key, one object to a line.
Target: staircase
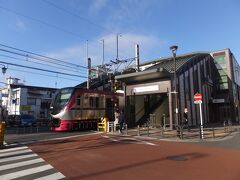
[{"x": 146, "y": 117}]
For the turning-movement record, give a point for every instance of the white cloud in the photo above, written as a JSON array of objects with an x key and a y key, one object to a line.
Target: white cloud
[
  {"x": 20, "y": 24},
  {"x": 77, "y": 53},
  {"x": 97, "y": 5}
]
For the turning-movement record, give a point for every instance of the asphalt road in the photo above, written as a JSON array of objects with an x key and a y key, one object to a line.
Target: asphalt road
[
  {"x": 101, "y": 156},
  {"x": 28, "y": 137}
]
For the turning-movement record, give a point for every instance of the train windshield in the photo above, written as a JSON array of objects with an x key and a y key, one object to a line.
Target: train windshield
[{"x": 62, "y": 97}]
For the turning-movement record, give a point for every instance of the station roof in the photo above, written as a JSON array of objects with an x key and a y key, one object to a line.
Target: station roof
[
  {"x": 168, "y": 63},
  {"x": 161, "y": 68}
]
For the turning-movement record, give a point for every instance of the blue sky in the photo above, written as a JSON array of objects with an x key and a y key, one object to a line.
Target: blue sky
[{"x": 61, "y": 32}]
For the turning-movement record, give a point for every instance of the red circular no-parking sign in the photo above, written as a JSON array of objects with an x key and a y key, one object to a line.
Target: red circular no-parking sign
[{"x": 197, "y": 97}]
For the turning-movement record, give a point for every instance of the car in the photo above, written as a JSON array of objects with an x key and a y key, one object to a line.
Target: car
[
  {"x": 27, "y": 120},
  {"x": 13, "y": 120}
]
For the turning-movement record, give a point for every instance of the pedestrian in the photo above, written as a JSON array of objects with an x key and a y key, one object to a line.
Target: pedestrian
[
  {"x": 185, "y": 115},
  {"x": 121, "y": 120}
]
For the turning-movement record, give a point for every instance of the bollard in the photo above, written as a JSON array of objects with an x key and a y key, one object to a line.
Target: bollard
[
  {"x": 138, "y": 130},
  {"x": 161, "y": 131},
  {"x": 2, "y": 131},
  {"x": 112, "y": 127},
  {"x": 181, "y": 132},
  {"x": 148, "y": 130},
  {"x": 126, "y": 129},
  {"x": 224, "y": 125},
  {"x": 213, "y": 130}
]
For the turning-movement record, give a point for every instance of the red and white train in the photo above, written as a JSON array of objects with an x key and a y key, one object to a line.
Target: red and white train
[{"x": 75, "y": 108}]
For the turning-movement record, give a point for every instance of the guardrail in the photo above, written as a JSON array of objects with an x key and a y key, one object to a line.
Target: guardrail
[{"x": 180, "y": 132}]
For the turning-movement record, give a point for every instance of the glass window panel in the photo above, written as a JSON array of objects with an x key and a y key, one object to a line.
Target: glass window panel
[{"x": 219, "y": 59}]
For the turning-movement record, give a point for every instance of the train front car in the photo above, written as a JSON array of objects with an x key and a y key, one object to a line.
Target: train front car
[{"x": 59, "y": 110}]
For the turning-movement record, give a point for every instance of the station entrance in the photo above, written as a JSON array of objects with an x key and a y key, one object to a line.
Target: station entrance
[{"x": 148, "y": 108}]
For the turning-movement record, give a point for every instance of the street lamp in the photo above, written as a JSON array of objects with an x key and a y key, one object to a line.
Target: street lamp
[{"x": 174, "y": 51}]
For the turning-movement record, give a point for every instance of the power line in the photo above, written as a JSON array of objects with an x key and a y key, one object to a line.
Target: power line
[
  {"x": 15, "y": 58},
  {"x": 50, "y": 25},
  {"x": 75, "y": 15},
  {"x": 42, "y": 74},
  {"x": 32, "y": 57},
  {"x": 41, "y": 22},
  {"x": 43, "y": 56},
  {"x": 39, "y": 69},
  {"x": 78, "y": 16}
]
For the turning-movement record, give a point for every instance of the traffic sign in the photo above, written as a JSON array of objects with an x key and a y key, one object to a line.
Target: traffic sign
[
  {"x": 198, "y": 102},
  {"x": 197, "y": 97}
]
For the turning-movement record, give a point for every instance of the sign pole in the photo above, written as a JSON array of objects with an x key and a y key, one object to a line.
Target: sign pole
[
  {"x": 200, "y": 108},
  {"x": 198, "y": 100}
]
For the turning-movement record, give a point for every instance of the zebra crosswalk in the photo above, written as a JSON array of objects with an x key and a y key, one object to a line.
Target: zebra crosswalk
[{"x": 22, "y": 163}]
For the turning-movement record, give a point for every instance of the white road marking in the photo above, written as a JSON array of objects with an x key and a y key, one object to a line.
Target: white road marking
[
  {"x": 52, "y": 176},
  {"x": 13, "y": 149},
  {"x": 19, "y": 164},
  {"x": 18, "y": 154},
  {"x": 135, "y": 140},
  {"x": 25, "y": 172},
  {"x": 17, "y": 157},
  {"x": 15, "y": 152}
]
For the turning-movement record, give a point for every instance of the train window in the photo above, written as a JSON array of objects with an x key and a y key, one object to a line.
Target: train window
[
  {"x": 94, "y": 102},
  {"x": 109, "y": 103},
  {"x": 78, "y": 100},
  {"x": 97, "y": 102},
  {"x": 91, "y": 102}
]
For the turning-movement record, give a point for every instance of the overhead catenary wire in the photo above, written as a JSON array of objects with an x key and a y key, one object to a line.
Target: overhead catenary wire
[
  {"x": 42, "y": 74},
  {"x": 78, "y": 16},
  {"x": 48, "y": 24},
  {"x": 45, "y": 70},
  {"x": 42, "y": 22},
  {"x": 33, "y": 57},
  {"x": 43, "y": 56},
  {"x": 30, "y": 61}
]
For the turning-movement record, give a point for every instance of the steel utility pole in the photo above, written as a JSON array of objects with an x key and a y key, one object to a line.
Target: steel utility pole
[
  {"x": 174, "y": 51},
  {"x": 117, "y": 45},
  {"x": 103, "y": 55}
]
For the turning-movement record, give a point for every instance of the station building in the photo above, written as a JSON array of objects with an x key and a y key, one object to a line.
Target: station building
[{"x": 215, "y": 75}]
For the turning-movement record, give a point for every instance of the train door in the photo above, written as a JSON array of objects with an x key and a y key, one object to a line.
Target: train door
[{"x": 109, "y": 108}]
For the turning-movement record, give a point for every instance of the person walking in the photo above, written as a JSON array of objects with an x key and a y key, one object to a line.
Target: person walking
[
  {"x": 185, "y": 115},
  {"x": 121, "y": 120}
]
